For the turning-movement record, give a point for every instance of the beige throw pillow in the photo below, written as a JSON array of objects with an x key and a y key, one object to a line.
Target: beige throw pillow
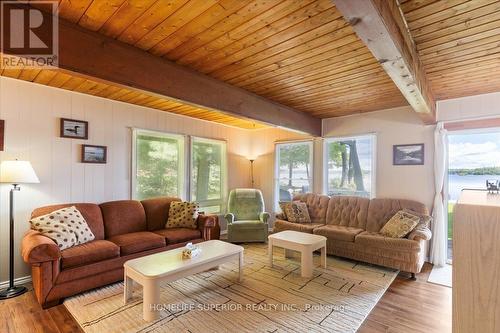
[
  {"x": 296, "y": 211},
  {"x": 425, "y": 220},
  {"x": 66, "y": 227},
  {"x": 400, "y": 225},
  {"x": 182, "y": 215}
]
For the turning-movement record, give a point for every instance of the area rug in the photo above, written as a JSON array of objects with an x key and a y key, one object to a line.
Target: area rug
[
  {"x": 277, "y": 299},
  {"x": 441, "y": 275}
]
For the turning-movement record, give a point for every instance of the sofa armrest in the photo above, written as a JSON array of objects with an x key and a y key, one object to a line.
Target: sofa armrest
[
  {"x": 36, "y": 248},
  {"x": 209, "y": 226},
  {"x": 420, "y": 233},
  {"x": 264, "y": 217}
]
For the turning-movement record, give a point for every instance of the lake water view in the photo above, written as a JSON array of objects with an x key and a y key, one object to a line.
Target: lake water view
[{"x": 457, "y": 183}]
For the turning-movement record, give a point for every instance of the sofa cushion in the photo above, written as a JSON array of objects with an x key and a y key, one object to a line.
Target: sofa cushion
[
  {"x": 65, "y": 226},
  {"x": 178, "y": 235},
  {"x": 347, "y": 211},
  {"x": 375, "y": 239},
  {"x": 88, "y": 253},
  {"x": 182, "y": 215},
  {"x": 123, "y": 217},
  {"x": 317, "y": 206},
  {"x": 157, "y": 211},
  {"x": 400, "y": 225},
  {"x": 135, "y": 242},
  {"x": 338, "y": 232},
  {"x": 296, "y": 211},
  {"x": 91, "y": 213},
  {"x": 381, "y": 210},
  {"x": 281, "y": 225}
]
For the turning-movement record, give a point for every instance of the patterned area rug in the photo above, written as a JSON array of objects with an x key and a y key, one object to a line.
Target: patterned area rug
[{"x": 278, "y": 299}]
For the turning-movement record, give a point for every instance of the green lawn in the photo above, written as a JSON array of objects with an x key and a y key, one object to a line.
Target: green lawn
[{"x": 450, "y": 219}]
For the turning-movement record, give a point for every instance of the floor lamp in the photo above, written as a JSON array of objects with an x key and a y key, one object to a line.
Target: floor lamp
[{"x": 15, "y": 173}]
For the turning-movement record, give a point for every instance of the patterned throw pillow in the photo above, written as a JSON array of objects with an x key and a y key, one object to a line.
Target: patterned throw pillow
[
  {"x": 296, "y": 211},
  {"x": 400, "y": 225},
  {"x": 66, "y": 227},
  {"x": 283, "y": 207},
  {"x": 182, "y": 215},
  {"x": 425, "y": 220}
]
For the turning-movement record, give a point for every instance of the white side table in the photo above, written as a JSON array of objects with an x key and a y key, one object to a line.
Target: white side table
[{"x": 302, "y": 242}]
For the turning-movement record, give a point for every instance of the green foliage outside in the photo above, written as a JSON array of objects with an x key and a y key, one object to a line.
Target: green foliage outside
[
  {"x": 451, "y": 205},
  {"x": 206, "y": 181},
  {"x": 294, "y": 156},
  {"x": 344, "y": 155},
  {"x": 476, "y": 172},
  {"x": 157, "y": 167}
]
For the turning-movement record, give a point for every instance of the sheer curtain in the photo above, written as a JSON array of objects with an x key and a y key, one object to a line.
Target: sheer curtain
[{"x": 439, "y": 227}]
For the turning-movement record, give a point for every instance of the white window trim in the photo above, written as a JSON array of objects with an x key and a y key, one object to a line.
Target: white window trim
[
  {"x": 327, "y": 140},
  {"x": 183, "y": 185},
  {"x": 276, "y": 179},
  {"x": 224, "y": 170}
]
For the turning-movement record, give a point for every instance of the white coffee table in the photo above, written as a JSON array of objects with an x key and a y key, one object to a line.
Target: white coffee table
[
  {"x": 168, "y": 266},
  {"x": 302, "y": 242}
]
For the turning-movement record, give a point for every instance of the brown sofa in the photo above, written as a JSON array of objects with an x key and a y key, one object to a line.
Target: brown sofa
[
  {"x": 123, "y": 230},
  {"x": 352, "y": 225}
]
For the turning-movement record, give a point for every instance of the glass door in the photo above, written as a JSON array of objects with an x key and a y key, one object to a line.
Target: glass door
[{"x": 473, "y": 158}]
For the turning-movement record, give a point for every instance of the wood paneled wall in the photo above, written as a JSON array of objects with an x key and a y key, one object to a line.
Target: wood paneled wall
[{"x": 32, "y": 113}]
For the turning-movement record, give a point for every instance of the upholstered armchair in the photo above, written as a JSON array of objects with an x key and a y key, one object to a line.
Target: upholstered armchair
[{"x": 246, "y": 218}]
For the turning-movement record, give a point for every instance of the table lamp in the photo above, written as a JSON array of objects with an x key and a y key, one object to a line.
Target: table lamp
[{"x": 15, "y": 173}]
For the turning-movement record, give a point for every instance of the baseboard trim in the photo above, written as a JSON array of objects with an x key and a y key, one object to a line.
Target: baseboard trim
[{"x": 18, "y": 281}]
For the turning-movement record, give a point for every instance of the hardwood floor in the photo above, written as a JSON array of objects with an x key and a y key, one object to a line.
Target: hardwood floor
[{"x": 407, "y": 306}]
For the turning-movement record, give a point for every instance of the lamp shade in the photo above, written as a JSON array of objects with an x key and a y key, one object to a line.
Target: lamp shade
[{"x": 17, "y": 172}]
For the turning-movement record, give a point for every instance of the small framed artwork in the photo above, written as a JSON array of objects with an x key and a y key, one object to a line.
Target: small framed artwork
[
  {"x": 2, "y": 133},
  {"x": 74, "y": 129},
  {"x": 412, "y": 154},
  {"x": 94, "y": 154}
]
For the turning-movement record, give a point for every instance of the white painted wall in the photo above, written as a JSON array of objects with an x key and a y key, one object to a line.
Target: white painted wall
[
  {"x": 393, "y": 126},
  {"x": 471, "y": 107},
  {"x": 31, "y": 113}
]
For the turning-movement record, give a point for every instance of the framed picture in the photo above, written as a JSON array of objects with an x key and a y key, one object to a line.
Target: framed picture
[
  {"x": 74, "y": 129},
  {"x": 412, "y": 154},
  {"x": 2, "y": 133},
  {"x": 94, "y": 154}
]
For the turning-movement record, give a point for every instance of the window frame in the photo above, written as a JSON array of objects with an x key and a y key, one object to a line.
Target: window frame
[
  {"x": 328, "y": 140},
  {"x": 182, "y": 190},
  {"x": 277, "y": 144},
  {"x": 224, "y": 173}
]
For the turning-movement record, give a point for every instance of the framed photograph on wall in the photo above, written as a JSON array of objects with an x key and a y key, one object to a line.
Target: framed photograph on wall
[
  {"x": 94, "y": 154},
  {"x": 74, "y": 129},
  {"x": 412, "y": 154}
]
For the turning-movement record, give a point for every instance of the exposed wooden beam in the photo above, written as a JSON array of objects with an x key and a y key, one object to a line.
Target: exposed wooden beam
[
  {"x": 382, "y": 27},
  {"x": 95, "y": 56}
]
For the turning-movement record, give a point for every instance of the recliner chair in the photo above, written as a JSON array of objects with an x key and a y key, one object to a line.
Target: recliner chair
[{"x": 246, "y": 218}]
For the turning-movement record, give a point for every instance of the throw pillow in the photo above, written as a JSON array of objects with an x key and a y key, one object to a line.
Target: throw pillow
[
  {"x": 425, "y": 220},
  {"x": 297, "y": 211},
  {"x": 400, "y": 225},
  {"x": 66, "y": 227},
  {"x": 182, "y": 215},
  {"x": 283, "y": 207}
]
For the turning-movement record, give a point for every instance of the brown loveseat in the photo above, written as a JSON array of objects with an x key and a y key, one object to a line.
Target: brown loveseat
[
  {"x": 123, "y": 230},
  {"x": 352, "y": 225}
]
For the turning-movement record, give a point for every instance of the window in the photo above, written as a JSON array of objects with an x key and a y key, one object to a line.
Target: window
[
  {"x": 158, "y": 165},
  {"x": 293, "y": 170},
  {"x": 350, "y": 166},
  {"x": 208, "y": 174}
]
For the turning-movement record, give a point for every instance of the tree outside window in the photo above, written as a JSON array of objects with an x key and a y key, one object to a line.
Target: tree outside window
[{"x": 349, "y": 166}]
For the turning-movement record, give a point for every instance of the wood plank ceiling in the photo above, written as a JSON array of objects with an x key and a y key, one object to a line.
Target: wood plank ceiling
[
  {"x": 458, "y": 42},
  {"x": 300, "y": 53}
]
